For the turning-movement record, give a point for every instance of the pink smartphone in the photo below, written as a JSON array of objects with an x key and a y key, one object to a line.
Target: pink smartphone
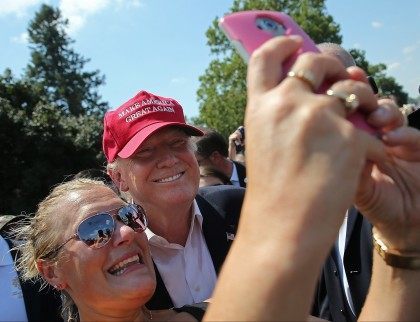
[{"x": 247, "y": 30}]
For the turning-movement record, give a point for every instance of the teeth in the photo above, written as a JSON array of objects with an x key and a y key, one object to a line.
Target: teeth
[
  {"x": 120, "y": 267},
  {"x": 169, "y": 179}
]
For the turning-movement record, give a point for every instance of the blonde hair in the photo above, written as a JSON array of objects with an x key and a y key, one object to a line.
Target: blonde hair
[{"x": 41, "y": 235}]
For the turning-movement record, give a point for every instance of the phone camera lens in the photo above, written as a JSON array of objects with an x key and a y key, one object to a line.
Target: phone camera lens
[
  {"x": 266, "y": 24},
  {"x": 270, "y": 26}
]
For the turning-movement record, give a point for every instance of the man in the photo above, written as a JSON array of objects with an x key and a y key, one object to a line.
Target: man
[
  {"x": 150, "y": 156},
  {"x": 346, "y": 274},
  {"x": 337, "y": 51},
  {"x": 22, "y": 300},
  {"x": 212, "y": 150}
]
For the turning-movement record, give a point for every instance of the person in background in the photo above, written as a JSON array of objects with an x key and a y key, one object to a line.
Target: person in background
[
  {"x": 151, "y": 156},
  {"x": 212, "y": 150},
  {"x": 294, "y": 202},
  {"x": 338, "y": 52},
  {"x": 210, "y": 176},
  {"x": 21, "y": 300},
  {"x": 237, "y": 145}
]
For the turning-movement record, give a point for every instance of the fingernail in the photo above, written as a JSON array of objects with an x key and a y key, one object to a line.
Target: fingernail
[{"x": 296, "y": 37}]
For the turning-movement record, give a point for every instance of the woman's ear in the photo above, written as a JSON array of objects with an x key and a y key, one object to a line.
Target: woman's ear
[
  {"x": 118, "y": 179},
  {"x": 50, "y": 273}
]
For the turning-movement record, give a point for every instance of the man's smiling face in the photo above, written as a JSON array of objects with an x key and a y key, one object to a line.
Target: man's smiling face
[{"x": 163, "y": 171}]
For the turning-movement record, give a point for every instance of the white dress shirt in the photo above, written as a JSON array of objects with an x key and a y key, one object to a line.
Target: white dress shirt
[
  {"x": 12, "y": 305},
  {"x": 234, "y": 178},
  {"x": 187, "y": 272}
]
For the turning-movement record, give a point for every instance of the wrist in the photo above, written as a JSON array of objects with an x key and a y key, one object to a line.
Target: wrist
[
  {"x": 399, "y": 258},
  {"x": 399, "y": 238}
]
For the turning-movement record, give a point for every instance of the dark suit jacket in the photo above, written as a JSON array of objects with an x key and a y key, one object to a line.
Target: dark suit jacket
[
  {"x": 330, "y": 300},
  {"x": 414, "y": 119},
  {"x": 241, "y": 169},
  {"x": 220, "y": 207},
  {"x": 41, "y": 305}
]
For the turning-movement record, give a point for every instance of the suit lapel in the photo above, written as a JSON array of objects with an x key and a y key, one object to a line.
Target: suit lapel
[
  {"x": 351, "y": 221},
  {"x": 334, "y": 302},
  {"x": 358, "y": 259},
  {"x": 215, "y": 233},
  {"x": 161, "y": 298}
]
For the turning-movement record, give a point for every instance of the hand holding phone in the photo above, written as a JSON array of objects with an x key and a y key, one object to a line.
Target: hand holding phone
[{"x": 247, "y": 30}]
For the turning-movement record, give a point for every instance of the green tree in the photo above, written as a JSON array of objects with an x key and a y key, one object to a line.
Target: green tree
[
  {"x": 387, "y": 85},
  {"x": 21, "y": 93},
  {"x": 50, "y": 119},
  {"x": 58, "y": 69},
  {"x": 41, "y": 151},
  {"x": 222, "y": 91}
]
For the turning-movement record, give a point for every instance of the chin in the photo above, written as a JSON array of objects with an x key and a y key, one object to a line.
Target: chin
[
  {"x": 145, "y": 291},
  {"x": 179, "y": 197}
]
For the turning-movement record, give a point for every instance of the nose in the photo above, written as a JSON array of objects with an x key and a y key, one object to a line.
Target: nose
[
  {"x": 166, "y": 158},
  {"x": 123, "y": 234}
]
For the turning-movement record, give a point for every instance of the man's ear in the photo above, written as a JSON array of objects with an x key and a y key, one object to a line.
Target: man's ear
[
  {"x": 215, "y": 157},
  {"x": 50, "y": 273},
  {"x": 118, "y": 179}
]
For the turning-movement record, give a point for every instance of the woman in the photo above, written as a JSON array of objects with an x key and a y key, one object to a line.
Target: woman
[
  {"x": 89, "y": 244},
  {"x": 316, "y": 164}
]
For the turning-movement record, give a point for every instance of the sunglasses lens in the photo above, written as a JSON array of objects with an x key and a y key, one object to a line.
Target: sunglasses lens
[
  {"x": 133, "y": 216},
  {"x": 96, "y": 231}
]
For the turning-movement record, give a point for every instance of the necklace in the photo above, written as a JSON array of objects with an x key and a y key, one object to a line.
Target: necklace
[{"x": 148, "y": 314}]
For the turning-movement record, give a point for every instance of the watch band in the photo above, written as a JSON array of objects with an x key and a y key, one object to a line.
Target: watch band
[{"x": 393, "y": 258}]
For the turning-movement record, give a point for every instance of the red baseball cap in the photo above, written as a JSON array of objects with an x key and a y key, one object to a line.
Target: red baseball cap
[{"x": 127, "y": 127}]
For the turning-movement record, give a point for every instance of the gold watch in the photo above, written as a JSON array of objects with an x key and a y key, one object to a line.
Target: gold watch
[{"x": 394, "y": 258}]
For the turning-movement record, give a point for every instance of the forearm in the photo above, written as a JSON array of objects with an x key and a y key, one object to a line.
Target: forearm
[
  {"x": 393, "y": 295},
  {"x": 266, "y": 276}
]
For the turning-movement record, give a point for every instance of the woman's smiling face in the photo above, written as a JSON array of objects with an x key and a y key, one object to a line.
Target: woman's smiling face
[{"x": 115, "y": 277}]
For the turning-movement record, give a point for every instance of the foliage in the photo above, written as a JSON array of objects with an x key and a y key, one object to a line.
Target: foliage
[
  {"x": 21, "y": 93},
  {"x": 222, "y": 91},
  {"x": 47, "y": 131},
  {"x": 58, "y": 68},
  {"x": 387, "y": 85},
  {"x": 42, "y": 151}
]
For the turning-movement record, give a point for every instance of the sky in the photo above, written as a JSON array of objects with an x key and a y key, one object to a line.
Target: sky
[{"x": 160, "y": 45}]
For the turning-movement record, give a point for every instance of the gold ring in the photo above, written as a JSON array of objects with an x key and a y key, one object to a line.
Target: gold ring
[
  {"x": 351, "y": 101},
  {"x": 306, "y": 76}
]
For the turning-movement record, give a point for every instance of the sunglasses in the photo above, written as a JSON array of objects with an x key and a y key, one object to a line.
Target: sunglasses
[{"x": 97, "y": 230}]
